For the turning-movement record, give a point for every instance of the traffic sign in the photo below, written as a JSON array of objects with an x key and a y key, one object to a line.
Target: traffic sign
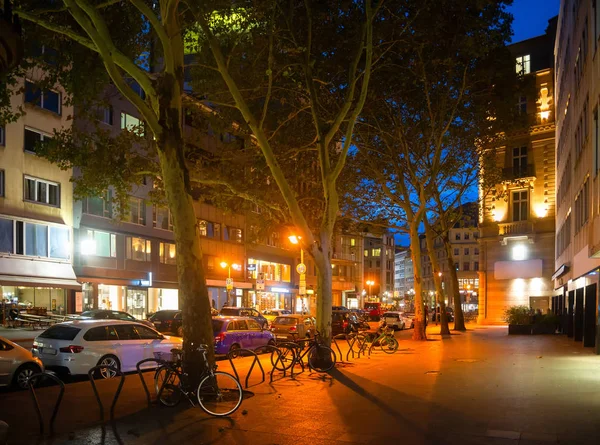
[
  {"x": 301, "y": 268},
  {"x": 302, "y": 289},
  {"x": 229, "y": 283}
]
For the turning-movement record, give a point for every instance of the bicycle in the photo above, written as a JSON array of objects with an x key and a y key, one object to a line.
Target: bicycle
[
  {"x": 321, "y": 357},
  {"x": 384, "y": 339},
  {"x": 218, "y": 394}
]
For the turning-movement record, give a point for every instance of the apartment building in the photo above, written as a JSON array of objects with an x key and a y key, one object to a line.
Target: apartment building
[
  {"x": 517, "y": 218},
  {"x": 36, "y": 204},
  {"x": 379, "y": 254},
  {"x": 577, "y": 165},
  {"x": 347, "y": 264}
]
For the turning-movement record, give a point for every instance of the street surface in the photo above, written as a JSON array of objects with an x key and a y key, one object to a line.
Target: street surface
[{"x": 479, "y": 387}]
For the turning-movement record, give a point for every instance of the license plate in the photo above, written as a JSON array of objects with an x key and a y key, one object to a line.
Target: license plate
[
  {"x": 49, "y": 351},
  {"x": 157, "y": 323},
  {"x": 390, "y": 320}
]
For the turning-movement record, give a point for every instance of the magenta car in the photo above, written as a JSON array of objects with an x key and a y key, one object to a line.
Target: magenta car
[{"x": 233, "y": 333}]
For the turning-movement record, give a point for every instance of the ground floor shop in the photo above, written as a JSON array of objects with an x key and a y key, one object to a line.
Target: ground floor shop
[
  {"x": 273, "y": 298},
  {"x": 24, "y": 297}
]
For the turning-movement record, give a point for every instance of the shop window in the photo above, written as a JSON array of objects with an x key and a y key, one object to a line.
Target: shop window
[
  {"x": 139, "y": 249},
  {"x": 167, "y": 253},
  {"x": 6, "y": 235},
  {"x": 99, "y": 205},
  {"x": 41, "y": 191},
  {"x": 162, "y": 218},
  {"x": 47, "y": 99},
  {"x": 137, "y": 211},
  {"x": 232, "y": 234}
]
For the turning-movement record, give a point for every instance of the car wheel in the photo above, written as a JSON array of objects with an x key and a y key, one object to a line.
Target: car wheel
[
  {"x": 412, "y": 325},
  {"x": 23, "y": 374},
  {"x": 403, "y": 327},
  {"x": 180, "y": 331},
  {"x": 234, "y": 350},
  {"x": 108, "y": 360}
]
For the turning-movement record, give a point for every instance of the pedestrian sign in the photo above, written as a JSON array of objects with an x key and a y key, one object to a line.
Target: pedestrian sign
[
  {"x": 301, "y": 268},
  {"x": 229, "y": 283},
  {"x": 260, "y": 282}
]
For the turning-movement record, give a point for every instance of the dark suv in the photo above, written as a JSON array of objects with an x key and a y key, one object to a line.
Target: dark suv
[
  {"x": 168, "y": 321},
  {"x": 245, "y": 312},
  {"x": 342, "y": 321}
]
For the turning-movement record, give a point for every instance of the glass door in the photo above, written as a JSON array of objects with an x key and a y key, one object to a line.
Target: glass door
[{"x": 137, "y": 302}]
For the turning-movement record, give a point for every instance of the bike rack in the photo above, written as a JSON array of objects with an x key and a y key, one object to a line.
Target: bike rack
[
  {"x": 272, "y": 349},
  {"x": 141, "y": 376},
  {"x": 239, "y": 352},
  {"x": 295, "y": 348},
  {"x": 341, "y": 337},
  {"x": 38, "y": 410},
  {"x": 117, "y": 394}
]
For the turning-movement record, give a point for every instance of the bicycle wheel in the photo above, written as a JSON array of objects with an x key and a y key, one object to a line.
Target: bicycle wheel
[
  {"x": 219, "y": 394},
  {"x": 288, "y": 354},
  {"x": 389, "y": 345},
  {"x": 167, "y": 386},
  {"x": 321, "y": 358}
]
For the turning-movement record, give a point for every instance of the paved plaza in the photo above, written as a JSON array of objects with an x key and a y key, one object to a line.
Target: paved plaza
[{"x": 479, "y": 387}]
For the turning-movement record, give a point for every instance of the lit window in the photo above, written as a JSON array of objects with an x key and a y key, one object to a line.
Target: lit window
[
  {"x": 139, "y": 249},
  {"x": 167, "y": 253},
  {"x": 523, "y": 65},
  {"x": 376, "y": 252},
  {"x": 98, "y": 243},
  {"x": 131, "y": 123}
]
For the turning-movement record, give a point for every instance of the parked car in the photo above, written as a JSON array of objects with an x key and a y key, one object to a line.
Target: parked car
[
  {"x": 232, "y": 333},
  {"x": 342, "y": 322},
  {"x": 272, "y": 314},
  {"x": 449, "y": 314},
  {"x": 245, "y": 312},
  {"x": 77, "y": 346},
  {"x": 107, "y": 314},
  {"x": 168, "y": 321},
  {"x": 293, "y": 326},
  {"x": 17, "y": 364},
  {"x": 339, "y": 308},
  {"x": 375, "y": 310},
  {"x": 397, "y": 320}
]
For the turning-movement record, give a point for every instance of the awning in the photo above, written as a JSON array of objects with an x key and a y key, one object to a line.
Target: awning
[
  {"x": 35, "y": 273},
  {"x": 560, "y": 271}
]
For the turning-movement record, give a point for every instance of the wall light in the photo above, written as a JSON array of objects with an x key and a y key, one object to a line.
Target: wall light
[
  {"x": 518, "y": 252},
  {"x": 88, "y": 247}
]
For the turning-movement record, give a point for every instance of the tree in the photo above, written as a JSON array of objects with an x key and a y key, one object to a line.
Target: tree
[
  {"x": 296, "y": 75},
  {"x": 140, "y": 43},
  {"x": 435, "y": 98}
]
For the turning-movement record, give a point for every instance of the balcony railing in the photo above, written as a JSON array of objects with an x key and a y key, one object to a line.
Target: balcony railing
[
  {"x": 515, "y": 228},
  {"x": 512, "y": 173}
]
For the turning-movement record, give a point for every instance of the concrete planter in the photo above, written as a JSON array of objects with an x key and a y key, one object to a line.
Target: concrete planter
[
  {"x": 543, "y": 329},
  {"x": 520, "y": 329}
]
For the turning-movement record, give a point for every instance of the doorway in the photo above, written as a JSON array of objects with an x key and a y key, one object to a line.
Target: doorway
[
  {"x": 570, "y": 317},
  {"x": 578, "y": 315},
  {"x": 137, "y": 302},
  {"x": 589, "y": 318}
]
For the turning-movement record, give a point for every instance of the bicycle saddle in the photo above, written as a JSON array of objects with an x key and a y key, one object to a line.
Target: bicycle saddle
[{"x": 177, "y": 351}]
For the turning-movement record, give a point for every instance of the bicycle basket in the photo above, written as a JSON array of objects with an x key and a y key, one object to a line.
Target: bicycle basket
[{"x": 166, "y": 356}]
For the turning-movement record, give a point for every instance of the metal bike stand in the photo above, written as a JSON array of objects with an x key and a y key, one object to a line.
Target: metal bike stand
[
  {"x": 256, "y": 360},
  {"x": 271, "y": 349},
  {"x": 141, "y": 376},
  {"x": 117, "y": 394},
  {"x": 341, "y": 337},
  {"x": 38, "y": 410},
  {"x": 295, "y": 348}
]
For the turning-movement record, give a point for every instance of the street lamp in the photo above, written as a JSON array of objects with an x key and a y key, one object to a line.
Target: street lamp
[{"x": 370, "y": 283}]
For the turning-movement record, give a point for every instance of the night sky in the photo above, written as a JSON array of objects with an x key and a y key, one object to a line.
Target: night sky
[{"x": 531, "y": 17}]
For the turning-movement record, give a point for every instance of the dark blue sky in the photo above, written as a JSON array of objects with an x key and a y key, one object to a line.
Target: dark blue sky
[{"x": 531, "y": 17}]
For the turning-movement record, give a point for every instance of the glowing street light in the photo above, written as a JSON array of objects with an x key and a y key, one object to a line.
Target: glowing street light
[{"x": 370, "y": 283}]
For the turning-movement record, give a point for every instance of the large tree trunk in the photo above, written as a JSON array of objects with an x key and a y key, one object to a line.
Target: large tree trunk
[
  {"x": 459, "y": 318},
  {"x": 429, "y": 238},
  {"x": 419, "y": 332},
  {"x": 324, "y": 288}
]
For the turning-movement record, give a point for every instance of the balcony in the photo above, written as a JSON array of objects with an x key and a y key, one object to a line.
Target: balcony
[
  {"x": 515, "y": 228},
  {"x": 514, "y": 173}
]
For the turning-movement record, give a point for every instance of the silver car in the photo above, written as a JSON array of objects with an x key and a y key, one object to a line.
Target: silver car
[{"x": 17, "y": 364}]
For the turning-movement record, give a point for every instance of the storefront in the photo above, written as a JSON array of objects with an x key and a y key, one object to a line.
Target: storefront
[
  {"x": 49, "y": 298},
  {"x": 272, "y": 298}
]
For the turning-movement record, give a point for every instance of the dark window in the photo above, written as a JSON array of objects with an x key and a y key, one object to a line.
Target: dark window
[
  {"x": 520, "y": 160},
  {"x": 48, "y": 99},
  {"x": 476, "y": 265},
  {"x": 465, "y": 266},
  {"x": 456, "y": 252},
  {"x": 96, "y": 334},
  {"x": 2, "y": 136},
  {"x": 32, "y": 139},
  {"x": 41, "y": 191},
  {"x": 457, "y": 236},
  {"x": 105, "y": 114},
  {"x": 6, "y": 235},
  {"x": 126, "y": 332},
  {"x": 520, "y": 206},
  {"x": 466, "y": 251},
  {"x": 146, "y": 333},
  {"x": 1, "y": 183},
  {"x": 60, "y": 332}
]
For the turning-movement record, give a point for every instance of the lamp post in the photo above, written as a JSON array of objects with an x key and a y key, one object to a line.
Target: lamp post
[
  {"x": 229, "y": 281},
  {"x": 301, "y": 269},
  {"x": 370, "y": 283}
]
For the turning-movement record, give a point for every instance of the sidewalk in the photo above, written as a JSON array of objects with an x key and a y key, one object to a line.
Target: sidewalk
[
  {"x": 20, "y": 334},
  {"x": 479, "y": 387}
]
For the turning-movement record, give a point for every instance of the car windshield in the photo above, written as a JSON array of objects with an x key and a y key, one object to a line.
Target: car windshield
[
  {"x": 89, "y": 314},
  {"x": 60, "y": 332},
  {"x": 390, "y": 315},
  {"x": 285, "y": 320},
  {"x": 217, "y": 325},
  {"x": 371, "y": 306},
  {"x": 229, "y": 311},
  {"x": 283, "y": 312}
]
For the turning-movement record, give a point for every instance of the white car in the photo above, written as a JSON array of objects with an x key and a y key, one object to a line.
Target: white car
[
  {"x": 77, "y": 346},
  {"x": 397, "y": 320}
]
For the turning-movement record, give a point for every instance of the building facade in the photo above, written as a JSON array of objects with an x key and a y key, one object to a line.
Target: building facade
[
  {"x": 517, "y": 218},
  {"x": 36, "y": 205},
  {"x": 577, "y": 166},
  {"x": 379, "y": 254}
]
